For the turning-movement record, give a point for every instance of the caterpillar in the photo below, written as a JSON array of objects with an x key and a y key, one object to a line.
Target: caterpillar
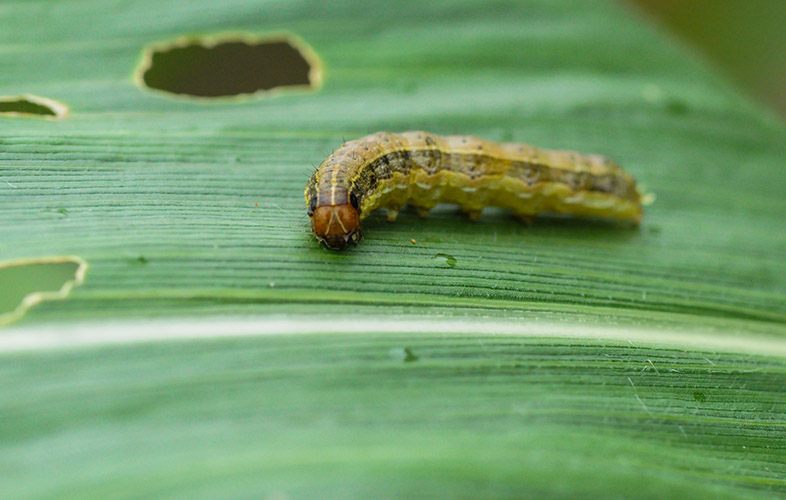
[{"x": 422, "y": 169}]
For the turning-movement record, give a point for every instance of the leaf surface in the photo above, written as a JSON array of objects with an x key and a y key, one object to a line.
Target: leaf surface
[{"x": 567, "y": 359}]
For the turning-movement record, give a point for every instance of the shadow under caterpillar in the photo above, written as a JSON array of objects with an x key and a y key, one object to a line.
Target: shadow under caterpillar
[{"x": 422, "y": 169}]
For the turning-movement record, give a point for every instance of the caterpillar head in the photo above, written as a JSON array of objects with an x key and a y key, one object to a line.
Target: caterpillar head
[{"x": 335, "y": 225}]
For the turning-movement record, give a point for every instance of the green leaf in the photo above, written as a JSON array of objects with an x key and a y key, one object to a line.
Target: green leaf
[{"x": 214, "y": 350}]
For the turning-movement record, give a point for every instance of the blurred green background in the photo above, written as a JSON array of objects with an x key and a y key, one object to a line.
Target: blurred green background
[{"x": 745, "y": 39}]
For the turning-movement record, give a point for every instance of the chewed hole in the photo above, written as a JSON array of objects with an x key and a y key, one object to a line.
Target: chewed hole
[
  {"x": 30, "y": 105},
  {"x": 231, "y": 66},
  {"x": 29, "y": 282}
]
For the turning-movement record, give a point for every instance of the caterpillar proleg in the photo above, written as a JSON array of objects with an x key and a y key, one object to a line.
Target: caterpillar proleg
[{"x": 422, "y": 169}]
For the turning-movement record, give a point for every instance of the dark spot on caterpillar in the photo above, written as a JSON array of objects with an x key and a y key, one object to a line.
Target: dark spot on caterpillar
[
  {"x": 353, "y": 200},
  {"x": 369, "y": 177},
  {"x": 527, "y": 172},
  {"x": 605, "y": 184},
  {"x": 433, "y": 160},
  {"x": 429, "y": 141},
  {"x": 312, "y": 205},
  {"x": 399, "y": 160},
  {"x": 570, "y": 179},
  {"x": 381, "y": 167}
]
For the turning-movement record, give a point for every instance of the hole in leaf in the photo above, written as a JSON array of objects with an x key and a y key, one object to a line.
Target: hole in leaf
[
  {"x": 240, "y": 65},
  {"x": 26, "y": 283},
  {"x": 30, "y": 105}
]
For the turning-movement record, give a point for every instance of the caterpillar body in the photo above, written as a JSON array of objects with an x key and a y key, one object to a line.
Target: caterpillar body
[{"x": 422, "y": 169}]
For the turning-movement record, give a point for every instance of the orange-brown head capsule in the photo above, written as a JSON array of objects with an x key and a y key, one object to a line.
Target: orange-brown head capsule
[
  {"x": 333, "y": 205},
  {"x": 336, "y": 225}
]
